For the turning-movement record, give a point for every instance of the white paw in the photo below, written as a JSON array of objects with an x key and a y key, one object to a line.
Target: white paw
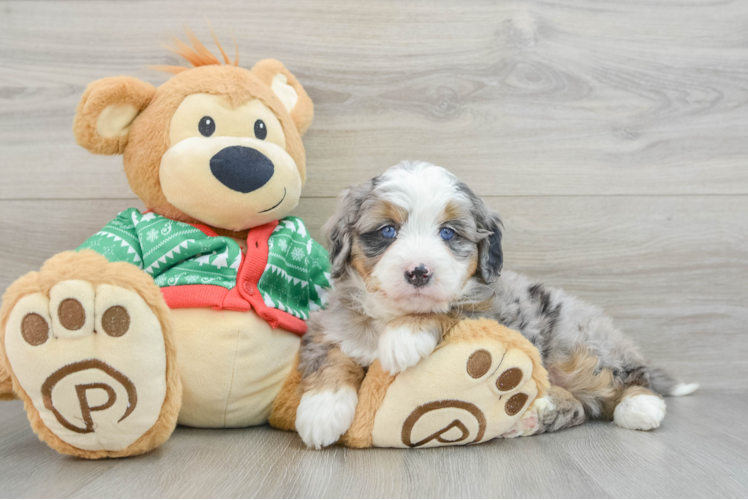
[
  {"x": 526, "y": 426},
  {"x": 530, "y": 421},
  {"x": 401, "y": 348},
  {"x": 642, "y": 412},
  {"x": 323, "y": 417},
  {"x": 543, "y": 405}
]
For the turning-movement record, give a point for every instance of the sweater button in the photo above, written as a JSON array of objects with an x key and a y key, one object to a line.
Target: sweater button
[{"x": 249, "y": 288}]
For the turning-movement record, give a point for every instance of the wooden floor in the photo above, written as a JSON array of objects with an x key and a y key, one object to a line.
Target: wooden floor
[
  {"x": 612, "y": 136},
  {"x": 699, "y": 451}
]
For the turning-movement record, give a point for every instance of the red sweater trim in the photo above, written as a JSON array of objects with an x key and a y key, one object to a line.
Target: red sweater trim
[{"x": 245, "y": 295}]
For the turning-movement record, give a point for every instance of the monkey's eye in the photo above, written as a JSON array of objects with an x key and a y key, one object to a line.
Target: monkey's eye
[
  {"x": 388, "y": 232},
  {"x": 206, "y": 126},
  {"x": 261, "y": 131},
  {"x": 447, "y": 233}
]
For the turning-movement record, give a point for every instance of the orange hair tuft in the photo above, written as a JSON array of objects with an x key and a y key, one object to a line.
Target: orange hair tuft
[{"x": 198, "y": 54}]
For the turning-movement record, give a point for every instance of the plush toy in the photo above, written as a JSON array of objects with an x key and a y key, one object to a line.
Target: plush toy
[
  {"x": 477, "y": 385},
  {"x": 191, "y": 312}
]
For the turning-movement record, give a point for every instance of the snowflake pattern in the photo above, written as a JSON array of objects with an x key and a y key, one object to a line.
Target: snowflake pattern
[
  {"x": 177, "y": 254},
  {"x": 297, "y": 254}
]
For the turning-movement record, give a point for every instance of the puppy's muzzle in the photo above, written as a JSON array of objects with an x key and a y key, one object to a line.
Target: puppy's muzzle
[
  {"x": 241, "y": 169},
  {"x": 418, "y": 276}
]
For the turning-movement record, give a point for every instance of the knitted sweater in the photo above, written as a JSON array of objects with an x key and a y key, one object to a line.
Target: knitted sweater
[{"x": 283, "y": 275}]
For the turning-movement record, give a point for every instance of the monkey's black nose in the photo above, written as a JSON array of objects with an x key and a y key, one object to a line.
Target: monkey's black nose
[
  {"x": 241, "y": 168},
  {"x": 418, "y": 276}
]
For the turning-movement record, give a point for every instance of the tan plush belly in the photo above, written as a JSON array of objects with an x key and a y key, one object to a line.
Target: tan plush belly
[{"x": 233, "y": 365}]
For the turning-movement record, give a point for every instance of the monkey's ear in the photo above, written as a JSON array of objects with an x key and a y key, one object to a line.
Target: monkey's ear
[
  {"x": 289, "y": 91},
  {"x": 106, "y": 111}
]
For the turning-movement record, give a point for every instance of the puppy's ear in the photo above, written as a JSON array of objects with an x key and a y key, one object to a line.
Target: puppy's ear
[
  {"x": 339, "y": 229},
  {"x": 106, "y": 111},
  {"x": 490, "y": 255},
  {"x": 289, "y": 91},
  {"x": 489, "y": 250}
]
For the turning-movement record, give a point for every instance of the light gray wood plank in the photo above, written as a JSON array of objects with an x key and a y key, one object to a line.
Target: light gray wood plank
[
  {"x": 518, "y": 98},
  {"x": 609, "y": 134},
  {"x": 9, "y": 410},
  {"x": 686, "y": 457},
  {"x": 670, "y": 270},
  {"x": 24, "y": 456}
]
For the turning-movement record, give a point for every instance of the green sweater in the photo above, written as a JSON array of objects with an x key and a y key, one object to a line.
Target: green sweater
[{"x": 283, "y": 276}]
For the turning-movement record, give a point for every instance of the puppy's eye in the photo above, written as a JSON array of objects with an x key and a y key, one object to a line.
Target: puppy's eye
[
  {"x": 388, "y": 232},
  {"x": 447, "y": 233},
  {"x": 206, "y": 126},
  {"x": 261, "y": 131}
]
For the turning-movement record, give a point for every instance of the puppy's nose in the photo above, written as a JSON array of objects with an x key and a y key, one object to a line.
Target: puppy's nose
[
  {"x": 241, "y": 168},
  {"x": 418, "y": 276}
]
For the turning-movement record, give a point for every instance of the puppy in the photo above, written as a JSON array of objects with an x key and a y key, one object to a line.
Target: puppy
[{"x": 413, "y": 251}]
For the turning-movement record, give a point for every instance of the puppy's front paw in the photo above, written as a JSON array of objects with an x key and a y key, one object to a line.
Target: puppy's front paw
[
  {"x": 323, "y": 417},
  {"x": 401, "y": 348}
]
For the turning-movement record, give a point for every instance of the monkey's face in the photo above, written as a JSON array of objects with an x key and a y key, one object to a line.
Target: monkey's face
[
  {"x": 227, "y": 165},
  {"x": 217, "y": 144}
]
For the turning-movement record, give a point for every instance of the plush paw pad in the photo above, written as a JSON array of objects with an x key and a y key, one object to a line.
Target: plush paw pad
[
  {"x": 71, "y": 306},
  {"x": 92, "y": 360},
  {"x": 461, "y": 394}
]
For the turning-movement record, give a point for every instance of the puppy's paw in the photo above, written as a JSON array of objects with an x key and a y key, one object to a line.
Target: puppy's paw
[
  {"x": 529, "y": 424},
  {"x": 401, "y": 348},
  {"x": 323, "y": 417},
  {"x": 642, "y": 412}
]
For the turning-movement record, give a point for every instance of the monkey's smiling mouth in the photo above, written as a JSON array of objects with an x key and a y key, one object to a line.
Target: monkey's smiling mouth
[{"x": 276, "y": 205}]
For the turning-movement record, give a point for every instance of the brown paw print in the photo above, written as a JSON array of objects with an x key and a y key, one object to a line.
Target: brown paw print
[
  {"x": 478, "y": 366},
  {"x": 487, "y": 397},
  {"x": 92, "y": 361},
  {"x": 449, "y": 433}
]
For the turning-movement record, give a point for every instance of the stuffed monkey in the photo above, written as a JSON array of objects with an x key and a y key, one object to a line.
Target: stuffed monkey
[{"x": 191, "y": 312}]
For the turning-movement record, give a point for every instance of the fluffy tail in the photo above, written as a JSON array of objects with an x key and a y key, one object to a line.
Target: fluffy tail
[{"x": 666, "y": 385}]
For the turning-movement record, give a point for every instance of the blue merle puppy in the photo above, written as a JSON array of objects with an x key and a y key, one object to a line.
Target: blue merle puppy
[{"x": 413, "y": 251}]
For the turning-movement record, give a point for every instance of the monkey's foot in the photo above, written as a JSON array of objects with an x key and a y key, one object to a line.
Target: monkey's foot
[
  {"x": 474, "y": 387},
  {"x": 90, "y": 361}
]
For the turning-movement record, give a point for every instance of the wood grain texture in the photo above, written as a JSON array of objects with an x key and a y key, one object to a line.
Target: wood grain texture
[
  {"x": 609, "y": 134},
  {"x": 563, "y": 97},
  {"x": 686, "y": 457}
]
